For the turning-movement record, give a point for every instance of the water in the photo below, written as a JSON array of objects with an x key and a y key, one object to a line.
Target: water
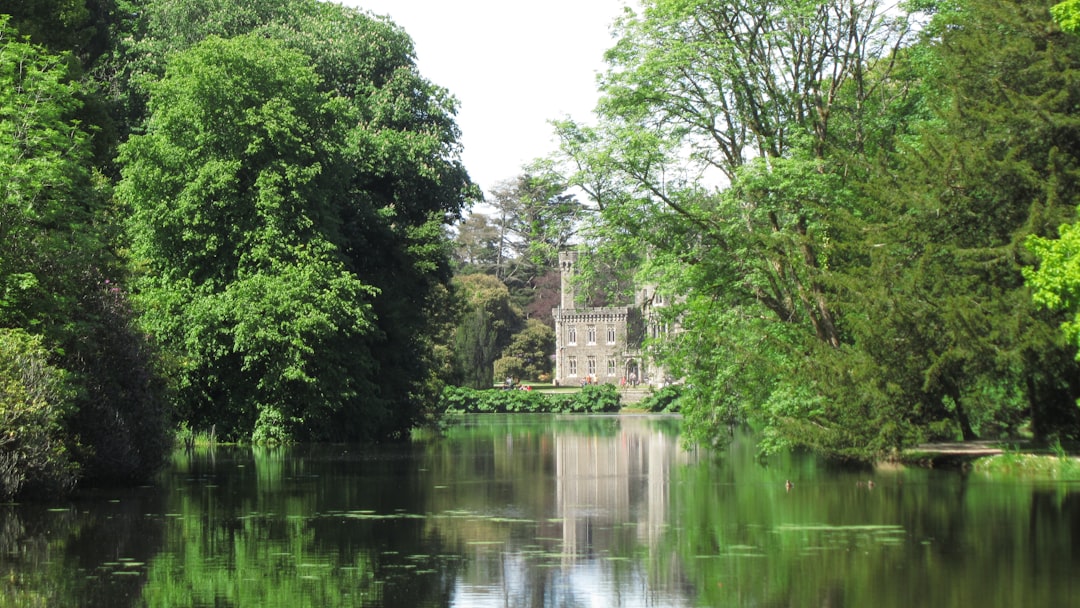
[{"x": 532, "y": 510}]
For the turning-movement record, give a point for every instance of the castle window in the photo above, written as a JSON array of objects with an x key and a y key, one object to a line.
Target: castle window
[
  {"x": 611, "y": 367},
  {"x": 571, "y": 335},
  {"x": 571, "y": 365},
  {"x": 591, "y": 366},
  {"x": 658, "y": 297},
  {"x": 610, "y": 334},
  {"x": 591, "y": 337}
]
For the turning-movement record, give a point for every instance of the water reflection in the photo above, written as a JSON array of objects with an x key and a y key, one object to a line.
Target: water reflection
[{"x": 543, "y": 511}]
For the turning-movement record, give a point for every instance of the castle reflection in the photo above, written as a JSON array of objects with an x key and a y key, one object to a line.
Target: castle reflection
[{"x": 593, "y": 535}]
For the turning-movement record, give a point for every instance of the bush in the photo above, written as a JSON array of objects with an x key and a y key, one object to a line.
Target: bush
[
  {"x": 33, "y": 459},
  {"x": 509, "y": 367},
  {"x": 270, "y": 428},
  {"x": 121, "y": 410},
  {"x": 663, "y": 400},
  {"x": 594, "y": 398}
]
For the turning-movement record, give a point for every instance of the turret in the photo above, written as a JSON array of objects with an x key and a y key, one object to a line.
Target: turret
[{"x": 567, "y": 259}]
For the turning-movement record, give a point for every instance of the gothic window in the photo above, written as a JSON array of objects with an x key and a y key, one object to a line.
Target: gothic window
[
  {"x": 591, "y": 337},
  {"x": 611, "y": 367},
  {"x": 658, "y": 297},
  {"x": 571, "y": 335},
  {"x": 591, "y": 366},
  {"x": 571, "y": 365},
  {"x": 610, "y": 334}
]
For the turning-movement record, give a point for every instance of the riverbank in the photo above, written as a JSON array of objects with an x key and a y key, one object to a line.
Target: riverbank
[{"x": 1016, "y": 460}]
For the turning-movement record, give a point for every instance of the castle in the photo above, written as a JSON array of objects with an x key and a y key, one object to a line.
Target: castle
[{"x": 603, "y": 345}]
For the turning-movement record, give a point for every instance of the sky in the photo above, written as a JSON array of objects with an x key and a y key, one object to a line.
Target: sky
[{"x": 513, "y": 65}]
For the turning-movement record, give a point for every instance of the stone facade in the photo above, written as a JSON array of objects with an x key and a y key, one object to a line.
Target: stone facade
[{"x": 603, "y": 345}]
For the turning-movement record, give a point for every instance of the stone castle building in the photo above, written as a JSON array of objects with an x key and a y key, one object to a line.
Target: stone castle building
[{"x": 604, "y": 345}]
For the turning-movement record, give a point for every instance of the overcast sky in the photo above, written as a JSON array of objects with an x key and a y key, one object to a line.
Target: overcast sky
[{"x": 513, "y": 65}]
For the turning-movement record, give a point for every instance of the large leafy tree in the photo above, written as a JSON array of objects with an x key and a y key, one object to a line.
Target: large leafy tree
[
  {"x": 853, "y": 284},
  {"x": 233, "y": 220},
  {"x": 713, "y": 162},
  {"x": 361, "y": 155}
]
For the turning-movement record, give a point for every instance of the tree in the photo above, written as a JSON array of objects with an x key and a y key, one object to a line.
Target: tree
[
  {"x": 232, "y": 221},
  {"x": 1067, "y": 14},
  {"x": 714, "y": 162},
  {"x": 33, "y": 399},
  {"x": 536, "y": 218},
  {"x": 43, "y": 173},
  {"x": 476, "y": 243},
  {"x": 373, "y": 191},
  {"x": 58, "y": 275},
  {"x": 487, "y": 324},
  {"x": 994, "y": 166},
  {"x": 528, "y": 355}
]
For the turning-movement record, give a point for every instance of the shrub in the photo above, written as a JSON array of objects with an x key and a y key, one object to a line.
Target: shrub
[
  {"x": 32, "y": 396},
  {"x": 121, "y": 409},
  {"x": 663, "y": 400},
  {"x": 509, "y": 367},
  {"x": 270, "y": 428},
  {"x": 597, "y": 398}
]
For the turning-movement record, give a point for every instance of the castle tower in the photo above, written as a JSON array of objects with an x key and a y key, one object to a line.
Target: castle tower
[{"x": 567, "y": 260}]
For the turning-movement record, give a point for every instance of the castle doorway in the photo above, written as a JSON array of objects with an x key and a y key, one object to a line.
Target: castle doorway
[{"x": 632, "y": 373}]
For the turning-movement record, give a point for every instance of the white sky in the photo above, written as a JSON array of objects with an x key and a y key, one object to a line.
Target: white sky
[{"x": 513, "y": 65}]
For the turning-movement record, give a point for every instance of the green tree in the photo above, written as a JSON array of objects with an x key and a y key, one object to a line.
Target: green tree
[
  {"x": 993, "y": 166},
  {"x": 1067, "y": 14},
  {"x": 476, "y": 242},
  {"x": 388, "y": 180},
  {"x": 45, "y": 218},
  {"x": 58, "y": 277},
  {"x": 33, "y": 399},
  {"x": 528, "y": 355},
  {"x": 536, "y": 218},
  {"x": 487, "y": 324},
  {"x": 750, "y": 96},
  {"x": 232, "y": 220}
]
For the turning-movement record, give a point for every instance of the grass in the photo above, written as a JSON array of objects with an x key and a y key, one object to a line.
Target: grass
[
  {"x": 188, "y": 438},
  {"x": 1059, "y": 466}
]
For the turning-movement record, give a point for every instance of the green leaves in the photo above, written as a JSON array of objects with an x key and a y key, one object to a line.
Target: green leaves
[{"x": 242, "y": 275}]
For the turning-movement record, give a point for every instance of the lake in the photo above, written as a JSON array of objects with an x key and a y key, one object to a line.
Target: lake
[{"x": 537, "y": 510}]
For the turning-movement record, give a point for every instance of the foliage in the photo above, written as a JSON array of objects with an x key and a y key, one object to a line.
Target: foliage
[
  {"x": 33, "y": 398},
  {"x": 993, "y": 166},
  {"x": 231, "y": 219},
  {"x": 841, "y": 205},
  {"x": 663, "y": 400},
  {"x": 509, "y": 366},
  {"x": 1067, "y": 15},
  {"x": 485, "y": 328},
  {"x": 593, "y": 398},
  {"x": 45, "y": 221},
  {"x": 123, "y": 409},
  {"x": 1027, "y": 467},
  {"x": 325, "y": 217},
  {"x": 531, "y": 349},
  {"x": 57, "y": 272}
]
